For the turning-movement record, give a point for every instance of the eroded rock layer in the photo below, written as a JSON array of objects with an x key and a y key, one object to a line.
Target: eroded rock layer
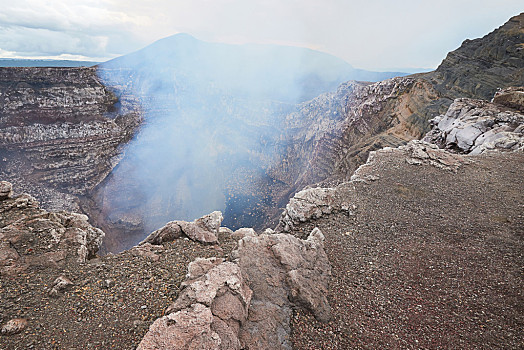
[
  {"x": 32, "y": 237},
  {"x": 61, "y": 133}
]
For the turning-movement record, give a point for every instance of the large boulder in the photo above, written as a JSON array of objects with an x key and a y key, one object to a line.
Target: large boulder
[{"x": 283, "y": 271}]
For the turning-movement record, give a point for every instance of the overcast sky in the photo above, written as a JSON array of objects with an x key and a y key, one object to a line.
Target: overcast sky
[{"x": 370, "y": 34}]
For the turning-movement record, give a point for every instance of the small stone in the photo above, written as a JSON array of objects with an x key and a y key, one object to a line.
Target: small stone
[
  {"x": 14, "y": 326},
  {"x": 6, "y": 190},
  {"x": 109, "y": 283},
  {"x": 59, "y": 285},
  {"x": 62, "y": 283}
]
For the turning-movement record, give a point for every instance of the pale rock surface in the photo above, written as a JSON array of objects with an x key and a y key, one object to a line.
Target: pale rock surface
[
  {"x": 14, "y": 326},
  {"x": 475, "y": 126},
  {"x": 420, "y": 152},
  {"x": 282, "y": 271},
  {"x": 306, "y": 204},
  {"x": 244, "y": 232},
  {"x": 60, "y": 284},
  {"x": 185, "y": 329},
  {"x": 210, "y": 222},
  {"x": 204, "y": 230}
]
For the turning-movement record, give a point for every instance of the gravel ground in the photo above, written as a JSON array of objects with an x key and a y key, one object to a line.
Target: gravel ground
[
  {"x": 431, "y": 260},
  {"x": 111, "y": 305}
]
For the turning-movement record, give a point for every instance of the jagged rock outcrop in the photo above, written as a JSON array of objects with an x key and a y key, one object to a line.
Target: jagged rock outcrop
[
  {"x": 31, "y": 236},
  {"x": 282, "y": 271},
  {"x": 60, "y": 132},
  {"x": 204, "y": 230},
  {"x": 474, "y": 126},
  {"x": 208, "y": 313},
  {"x": 6, "y": 189},
  {"x": 307, "y": 204},
  {"x": 247, "y": 304}
]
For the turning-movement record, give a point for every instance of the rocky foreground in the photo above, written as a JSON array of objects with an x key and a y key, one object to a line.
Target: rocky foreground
[
  {"x": 421, "y": 248},
  {"x": 57, "y": 294},
  {"x": 429, "y": 254}
]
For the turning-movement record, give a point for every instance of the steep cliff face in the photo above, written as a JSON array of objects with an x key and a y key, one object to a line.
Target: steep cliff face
[
  {"x": 60, "y": 132},
  {"x": 330, "y": 136}
]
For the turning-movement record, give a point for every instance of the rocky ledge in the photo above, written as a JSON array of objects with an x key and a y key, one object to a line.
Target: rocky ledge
[
  {"x": 469, "y": 126},
  {"x": 246, "y": 303},
  {"x": 33, "y": 237},
  {"x": 239, "y": 288}
]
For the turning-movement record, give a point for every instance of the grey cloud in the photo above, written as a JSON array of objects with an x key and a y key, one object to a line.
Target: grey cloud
[
  {"x": 30, "y": 28},
  {"x": 43, "y": 42},
  {"x": 374, "y": 34}
]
